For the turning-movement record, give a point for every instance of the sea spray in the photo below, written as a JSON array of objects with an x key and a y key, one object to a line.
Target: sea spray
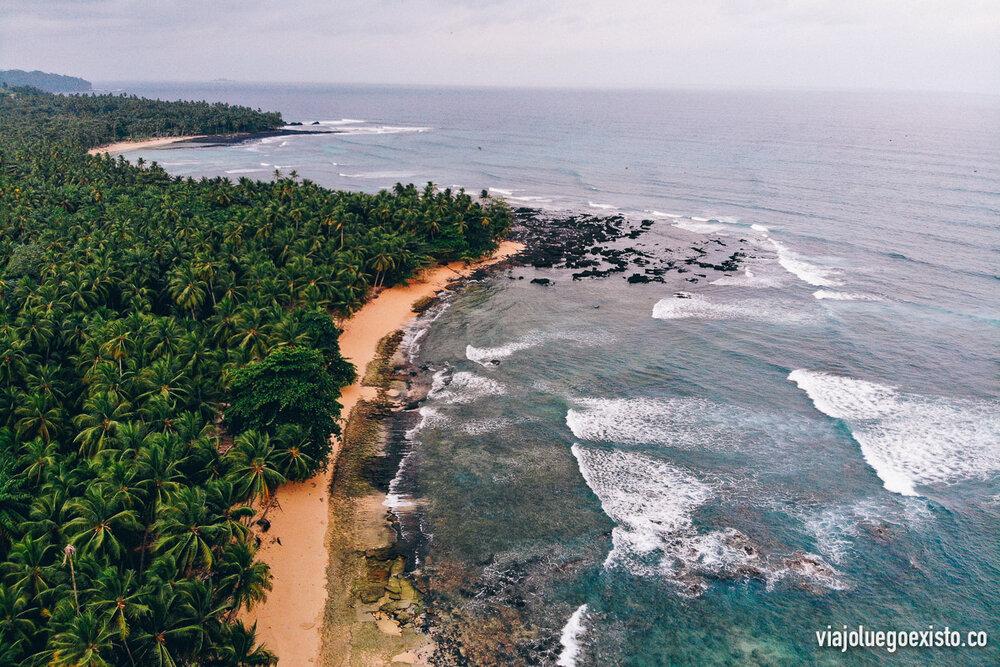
[{"x": 570, "y": 638}]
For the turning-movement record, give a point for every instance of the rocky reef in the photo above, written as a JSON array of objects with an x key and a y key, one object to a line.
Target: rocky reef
[{"x": 593, "y": 246}]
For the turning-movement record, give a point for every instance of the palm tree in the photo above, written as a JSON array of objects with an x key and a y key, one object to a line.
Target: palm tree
[
  {"x": 382, "y": 261},
  {"x": 187, "y": 530},
  {"x": 253, "y": 470},
  {"x": 239, "y": 648},
  {"x": 84, "y": 641},
  {"x": 37, "y": 458},
  {"x": 39, "y": 416},
  {"x": 169, "y": 630},
  {"x": 12, "y": 500},
  {"x": 233, "y": 515},
  {"x": 123, "y": 483},
  {"x": 30, "y": 567},
  {"x": 165, "y": 337},
  {"x": 13, "y": 360},
  {"x": 16, "y": 623},
  {"x": 102, "y": 416},
  {"x": 116, "y": 600},
  {"x": 243, "y": 580},
  {"x": 187, "y": 289},
  {"x": 119, "y": 346},
  {"x": 161, "y": 473},
  {"x": 252, "y": 333},
  {"x": 99, "y": 525},
  {"x": 206, "y": 269},
  {"x": 164, "y": 378}
]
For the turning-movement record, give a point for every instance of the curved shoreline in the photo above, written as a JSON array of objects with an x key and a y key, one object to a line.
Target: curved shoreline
[
  {"x": 125, "y": 146},
  {"x": 289, "y": 622},
  {"x": 200, "y": 140}
]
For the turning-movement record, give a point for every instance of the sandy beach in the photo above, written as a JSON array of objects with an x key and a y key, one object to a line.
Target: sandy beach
[
  {"x": 124, "y": 146},
  {"x": 289, "y": 622}
]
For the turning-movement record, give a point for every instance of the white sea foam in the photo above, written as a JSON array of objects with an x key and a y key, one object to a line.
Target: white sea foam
[
  {"x": 570, "y": 638},
  {"x": 415, "y": 332},
  {"x": 648, "y": 499},
  {"x": 377, "y": 174},
  {"x": 464, "y": 387},
  {"x": 484, "y": 356},
  {"x": 698, "y": 307},
  {"x": 687, "y": 423},
  {"x": 245, "y": 171},
  {"x": 837, "y": 528},
  {"x": 844, "y": 296},
  {"x": 342, "y": 121},
  {"x": 481, "y": 426},
  {"x": 605, "y": 207},
  {"x": 381, "y": 129},
  {"x": 684, "y": 423},
  {"x": 700, "y": 225},
  {"x": 666, "y": 215},
  {"x": 759, "y": 228},
  {"x": 910, "y": 439},
  {"x": 750, "y": 277},
  {"x": 394, "y": 499},
  {"x": 502, "y": 191},
  {"x": 813, "y": 274},
  {"x": 531, "y": 198},
  {"x": 428, "y": 417},
  {"x": 652, "y": 503},
  {"x": 834, "y": 532}
]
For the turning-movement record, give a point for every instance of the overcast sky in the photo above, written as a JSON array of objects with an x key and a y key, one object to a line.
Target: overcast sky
[{"x": 890, "y": 44}]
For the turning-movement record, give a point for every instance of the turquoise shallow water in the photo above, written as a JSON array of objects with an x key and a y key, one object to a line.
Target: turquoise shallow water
[{"x": 813, "y": 441}]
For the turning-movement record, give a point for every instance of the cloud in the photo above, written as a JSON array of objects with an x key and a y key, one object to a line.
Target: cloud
[{"x": 913, "y": 44}]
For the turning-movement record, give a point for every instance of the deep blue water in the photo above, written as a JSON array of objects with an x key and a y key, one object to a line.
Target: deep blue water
[{"x": 814, "y": 441}]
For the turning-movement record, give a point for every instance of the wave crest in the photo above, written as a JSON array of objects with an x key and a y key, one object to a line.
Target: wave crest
[{"x": 910, "y": 439}]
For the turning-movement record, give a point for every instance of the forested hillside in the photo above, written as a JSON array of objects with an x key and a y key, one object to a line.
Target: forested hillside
[
  {"x": 53, "y": 83},
  {"x": 94, "y": 120},
  {"x": 168, "y": 360}
]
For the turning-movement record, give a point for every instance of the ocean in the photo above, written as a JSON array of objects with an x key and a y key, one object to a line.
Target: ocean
[{"x": 711, "y": 469}]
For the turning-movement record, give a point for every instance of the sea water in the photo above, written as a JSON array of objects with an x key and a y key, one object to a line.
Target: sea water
[{"x": 614, "y": 475}]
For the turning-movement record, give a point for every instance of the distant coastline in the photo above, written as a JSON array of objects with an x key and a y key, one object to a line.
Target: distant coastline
[{"x": 202, "y": 140}]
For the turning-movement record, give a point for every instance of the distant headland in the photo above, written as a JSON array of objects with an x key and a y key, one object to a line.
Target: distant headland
[{"x": 51, "y": 83}]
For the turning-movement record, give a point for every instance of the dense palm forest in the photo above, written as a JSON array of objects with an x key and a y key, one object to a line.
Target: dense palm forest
[
  {"x": 95, "y": 120},
  {"x": 168, "y": 359}
]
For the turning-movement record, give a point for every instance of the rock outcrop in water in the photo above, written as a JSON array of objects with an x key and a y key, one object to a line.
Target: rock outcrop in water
[{"x": 600, "y": 246}]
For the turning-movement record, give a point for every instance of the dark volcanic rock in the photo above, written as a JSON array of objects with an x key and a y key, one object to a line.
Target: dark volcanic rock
[
  {"x": 593, "y": 247},
  {"x": 541, "y": 281}
]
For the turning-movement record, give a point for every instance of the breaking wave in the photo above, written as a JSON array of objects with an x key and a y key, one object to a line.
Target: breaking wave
[
  {"x": 652, "y": 503},
  {"x": 570, "y": 638},
  {"x": 845, "y": 296},
  {"x": 463, "y": 387},
  {"x": 909, "y": 439},
  {"x": 486, "y": 356},
  {"x": 813, "y": 274},
  {"x": 698, "y": 307},
  {"x": 687, "y": 423}
]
